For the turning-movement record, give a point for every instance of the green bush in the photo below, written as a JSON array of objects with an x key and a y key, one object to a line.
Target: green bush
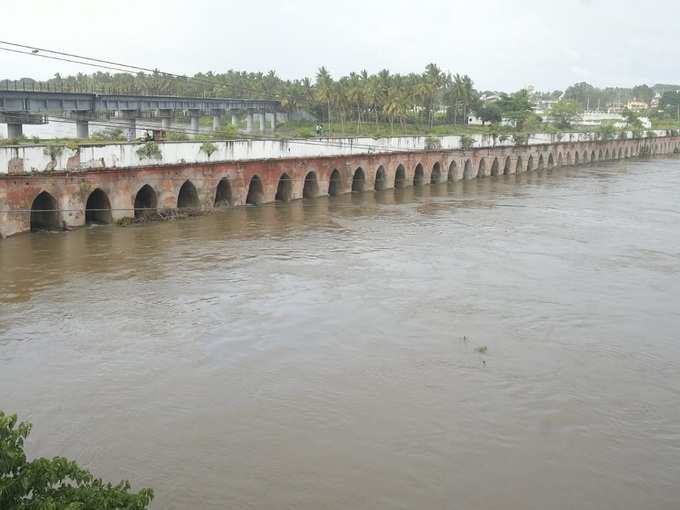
[
  {"x": 208, "y": 149},
  {"x": 432, "y": 143},
  {"x": 108, "y": 134},
  {"x": 304, "y": 133},
  {"x": 520, "y": 138},
  {"x": 53, "y": 151},
  {"x": 466, "y": 142},
  {"x": 150, "y": 150},
  {"x": 176, "y": 136},
  {"x": 55, "y": 484}
]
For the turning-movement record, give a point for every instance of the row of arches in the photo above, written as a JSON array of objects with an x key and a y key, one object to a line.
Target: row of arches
[{"x": 45, "y": 210}]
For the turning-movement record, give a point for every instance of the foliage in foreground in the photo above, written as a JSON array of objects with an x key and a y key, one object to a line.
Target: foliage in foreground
[{"x": 55, "y": 484}]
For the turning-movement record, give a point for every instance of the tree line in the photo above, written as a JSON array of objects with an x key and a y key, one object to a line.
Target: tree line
[{"x": 425, "y": 99}]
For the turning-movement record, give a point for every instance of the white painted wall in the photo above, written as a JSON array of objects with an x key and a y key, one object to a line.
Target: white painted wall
[{"x": 124, "y": 155}]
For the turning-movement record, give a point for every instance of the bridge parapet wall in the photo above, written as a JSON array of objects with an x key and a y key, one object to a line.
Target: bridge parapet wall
[{"x": 50, "y": 158}]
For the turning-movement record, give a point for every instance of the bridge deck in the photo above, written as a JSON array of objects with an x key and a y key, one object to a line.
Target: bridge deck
[{"x": 52, "y": 102}]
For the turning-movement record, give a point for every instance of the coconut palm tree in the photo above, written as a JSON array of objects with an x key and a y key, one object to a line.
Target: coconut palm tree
[{"x": 324, "y": 91}]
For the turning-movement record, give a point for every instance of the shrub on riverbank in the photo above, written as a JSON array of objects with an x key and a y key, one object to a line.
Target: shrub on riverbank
[{"x": 55, "y": 483}]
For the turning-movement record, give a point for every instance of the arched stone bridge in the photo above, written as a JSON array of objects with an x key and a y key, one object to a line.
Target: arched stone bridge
[{"x": 64, "y": 200}]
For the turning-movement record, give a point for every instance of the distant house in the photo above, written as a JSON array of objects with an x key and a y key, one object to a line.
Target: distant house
[
  {"x": 637, "y": 106},
  {"x": 473, "y": 120}
]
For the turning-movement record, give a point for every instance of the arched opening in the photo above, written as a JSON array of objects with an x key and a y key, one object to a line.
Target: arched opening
[
  {"x": 255, "y": 191},
  {"x": 559, "y": 159},
  {"x": 400, "y": 177},
  {"x": 585, "y": 157},
  {"x": 569, "y": 161},
  {"x": 284, "y": 190},
  {"x": 606, "y": 155},
  {"x": 551, "y": 160},
  {"x": 335, "y": 184},
  {"x": 188, "y": 196},
  {"x": 540, "y": 162},
  {"x": 495, "y": 167},
  {"x": 145, "y": 201},
  {"x": 620, "y": 155},
  {"x": 380, "y": 179},
  {"x": 599, "y": 155},
  {"x": 98, "y": 208},
  {"x": 467, "y": 170},
  {"x": 223, "y": 193},
  {"x": 44, "y": 213},
  {"x": 419, "y": 175},
  {"x": 481, "y": 170},
  {"x": 359, "y": 180},
  {"x": 530, "y": 164},
  {"x": 452, "y": 172},
  {"x": 311, "y": 187},
  {"x": 518, "y": 166},
  {"x": 508, "y": 164},
  {"x": 436, "y": 176},
  {"x": 625, "y": 153},
  {"x": 592, "y": 157},
  {"x": 576, "y": 158}
]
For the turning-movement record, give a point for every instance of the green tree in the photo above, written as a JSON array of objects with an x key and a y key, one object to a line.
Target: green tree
[
  {"x": 517, "y": 107},
  {"x": 55, "y": 484},
  {"x": 643, "y": 93},
  {"x": 633, "y": 121},
  {"x": 584, "y": 94},
  {"x": 565, "y": 113},
  {"x": 324, "y": 91},
  {"x": 606, "y": 132},
  {"x": 463, "y": 91},
  {"x": 489, "y": 112}
]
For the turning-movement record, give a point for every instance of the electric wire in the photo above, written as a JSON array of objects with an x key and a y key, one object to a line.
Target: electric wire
[{"x": 123, "y": 68}]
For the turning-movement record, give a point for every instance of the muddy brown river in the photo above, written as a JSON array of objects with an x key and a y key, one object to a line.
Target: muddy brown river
[{"x": 325, "y": 354}]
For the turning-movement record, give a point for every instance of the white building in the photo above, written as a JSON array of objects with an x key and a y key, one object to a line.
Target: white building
[{"x": 599, "y": 118}]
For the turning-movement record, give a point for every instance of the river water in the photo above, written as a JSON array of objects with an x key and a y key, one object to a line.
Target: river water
[{"x": 324, "y": 354}]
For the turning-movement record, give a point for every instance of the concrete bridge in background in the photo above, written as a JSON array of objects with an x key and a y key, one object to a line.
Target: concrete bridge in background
[
  {"x": 19, "y": 107},
  {"x": 74, "y": 197}
]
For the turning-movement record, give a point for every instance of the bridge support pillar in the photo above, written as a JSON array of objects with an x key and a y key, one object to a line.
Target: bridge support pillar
[
  {"x": 217, "y": 121},
  {"x": 15, "y": 130},
  {"x": 272, "y": 121},
  {"x": 261, "y": 121},
  {"x": 194, "y": 126},
  {"x": 131, "y": 117},
  {"x": 132, "y": 129},
  {"x": 166, "y": 118},
  {"x": 82, "y": 129},
  {"x": 249, "y": 123}
]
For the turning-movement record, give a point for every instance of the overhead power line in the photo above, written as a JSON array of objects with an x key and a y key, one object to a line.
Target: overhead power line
[
  {"x": 107, "y": 64},
  {"x": 30, "y": 54},
  {"x": 118, "y": 64}
]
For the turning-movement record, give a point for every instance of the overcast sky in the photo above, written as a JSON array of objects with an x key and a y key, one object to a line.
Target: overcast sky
[{"x": 502, "y": 45}]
